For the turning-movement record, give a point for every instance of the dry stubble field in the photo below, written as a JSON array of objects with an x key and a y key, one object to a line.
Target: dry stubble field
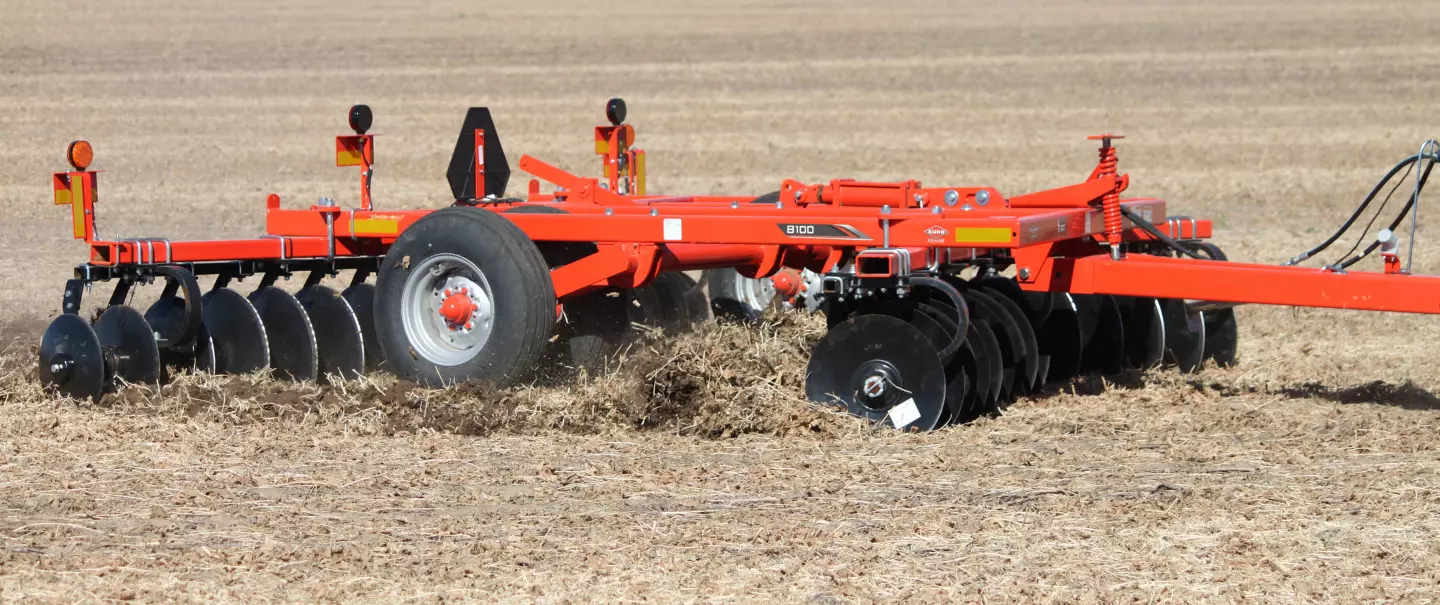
[{"x": 693, "y": 473}]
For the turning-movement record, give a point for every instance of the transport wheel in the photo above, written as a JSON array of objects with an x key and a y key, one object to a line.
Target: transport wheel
[
  {"x": 597, "y": 324},
  {"x": 464, "y": 294},
  {"x": 734, "y": 297},
  {"x": 695, "y": 301},
  {"x": 645, "y": 307},
  {"x": 675, "y": 310}
]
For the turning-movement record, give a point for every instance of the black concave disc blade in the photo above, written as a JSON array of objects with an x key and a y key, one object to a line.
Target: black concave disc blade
[
  {"x": 1184, "y": 335},
  {"x": 1010, "y": 289},
  {"x": 946, "y": 335},
  {"x": 1007, "y": 337},
  {"x": 955, "y": 393},
  {"x": 167, "y": 315},
  {"x": 1221, "y": 337},
  {"x": 975, "y": 380},
  {"x": 934, "y": 333},
  {"x": 204, "y": 359},
  {"x": 1035, "y": 307},
  {"x": 1039, "y": 305},
  {"x": 362, "y": 301},
  {"x": 885, "y": 351},
  {"x": 292, "y": 338},
  {"x": 989, "y": 365},
  {"x": 1144, "y": 332},
  {"x": 1043, "y": 376},
  {"x": 124, "y": 331},
  {"x": 1029, "y": 369},
  {"x": 1103, "y": 332},
  {"x": 237, "y": 336},
  {"x": 1060, "y": 341},
  {"x": 71, "y": 361},
  {"x": 339, "y": 344}
]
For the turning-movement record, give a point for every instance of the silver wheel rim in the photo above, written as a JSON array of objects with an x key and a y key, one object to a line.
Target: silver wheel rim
[
  {"x": 754, "y": 293},
  {"x": 430, "y": 333}
]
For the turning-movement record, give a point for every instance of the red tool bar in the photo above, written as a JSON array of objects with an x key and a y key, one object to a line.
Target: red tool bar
[
  {"x": 1185, "y": 278},
  {"x": 152, "y": 251},
  {"x": 755, "y": 224}
]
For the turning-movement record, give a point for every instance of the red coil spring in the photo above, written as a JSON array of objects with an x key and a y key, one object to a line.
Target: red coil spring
[{"x": 1110, "y": 204}]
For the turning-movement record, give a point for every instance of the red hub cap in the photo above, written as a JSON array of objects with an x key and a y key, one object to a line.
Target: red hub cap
[{"x": 457, "y": 308}]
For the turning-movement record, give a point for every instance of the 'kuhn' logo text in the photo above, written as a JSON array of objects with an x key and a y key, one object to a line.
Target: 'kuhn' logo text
[{"x": 937, "y": 232}]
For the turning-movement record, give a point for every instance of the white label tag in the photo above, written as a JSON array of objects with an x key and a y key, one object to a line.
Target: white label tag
[
  {"x": 902, "y": 415},
  {"x": 673, "y": 229},
  {"x": 480, "y": 156}
]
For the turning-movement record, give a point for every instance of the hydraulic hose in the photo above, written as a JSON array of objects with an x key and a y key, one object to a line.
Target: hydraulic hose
[
  {"x": 1364, "y": 204},
  {"x": 1150, "y": 228},
  {"x": 1424, "y": 176}
]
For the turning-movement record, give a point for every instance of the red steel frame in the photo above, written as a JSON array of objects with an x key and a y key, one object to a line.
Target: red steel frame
[{"x": 1058, "y": 239}]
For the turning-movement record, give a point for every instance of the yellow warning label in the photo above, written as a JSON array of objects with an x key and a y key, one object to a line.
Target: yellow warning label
[
  {"x": 982, "y": 235},
  {"x": 376, "y": 226}
]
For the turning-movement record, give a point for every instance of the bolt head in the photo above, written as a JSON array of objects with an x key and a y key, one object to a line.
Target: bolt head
[
  {"x": 1024, "y": 273},
  {"x": 982, "y": 197},
  {"x": 952, "y": 197}
]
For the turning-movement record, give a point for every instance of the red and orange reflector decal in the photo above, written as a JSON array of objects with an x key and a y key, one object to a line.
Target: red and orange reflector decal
[
  {"x": 353, "y": 151},
  {"x": 80, "y": 154}
]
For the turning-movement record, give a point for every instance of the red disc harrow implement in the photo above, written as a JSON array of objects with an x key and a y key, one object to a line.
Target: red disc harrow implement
[{"x": 942, "y": 302}]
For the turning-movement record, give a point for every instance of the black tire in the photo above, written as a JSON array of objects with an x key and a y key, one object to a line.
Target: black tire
[
  {"x": 695, "y": 299},
  {"x": 597, "y": 325},
  {"x": 520, "y": 288},
  {"x": 645, "y": 307},
  {"x": 727, "y": 303},
  {"x": 671, "y": 288}
]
